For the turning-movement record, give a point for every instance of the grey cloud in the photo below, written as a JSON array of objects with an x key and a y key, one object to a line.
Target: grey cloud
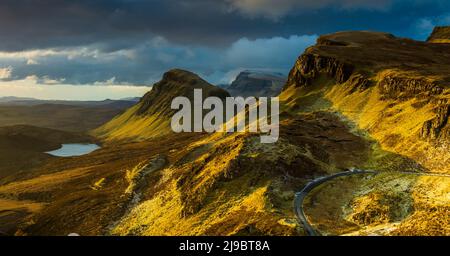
[
  {"x": 28, "y": 24},
  {"x": 143, "y": 64},
  {"x": 424, "y": 26},
  {"x": 277, "y": 8},
  {"x": 135, "y": 41},
  {"x": 119, "y": 24},
  {"x": 254, "y": 53}
]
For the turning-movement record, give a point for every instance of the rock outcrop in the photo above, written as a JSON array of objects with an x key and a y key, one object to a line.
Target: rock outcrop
[
  {"x": 309, "y": 66},
  {"x": 257, "y": 84},
  {"x": 438, "y": 128},
  {"x": 394, "y": 87}
]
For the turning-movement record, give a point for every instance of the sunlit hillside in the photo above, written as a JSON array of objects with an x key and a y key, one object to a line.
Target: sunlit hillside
[
  {"x": 151, "y": 117},
  {"x": 370, "y": 105}
]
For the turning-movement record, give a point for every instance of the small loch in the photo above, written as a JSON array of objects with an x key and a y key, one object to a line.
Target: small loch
[{"x": 74, "y": 149}]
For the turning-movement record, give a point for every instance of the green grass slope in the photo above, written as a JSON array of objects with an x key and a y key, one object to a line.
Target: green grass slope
[{"x": 151, "y": 117}]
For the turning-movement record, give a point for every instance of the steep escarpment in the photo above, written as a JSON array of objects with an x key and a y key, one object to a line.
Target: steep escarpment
[
  {"x": 309, "y": 66},
  {"x": 151, "y": 116},
  {"x": 257, "y": 84},
  {"x": 437, "y": 128},
  {"x": 397, "y": 89}
]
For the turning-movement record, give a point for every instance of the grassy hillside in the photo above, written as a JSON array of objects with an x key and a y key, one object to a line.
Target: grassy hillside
[
  {"x": 356, "y": 99},
  {"x": 151, "y": 117},
  {"x": 395, "y": 94},
  {"x": 131, "y": 126},
  {"x": 22, "y": 147},
  {"x": 220, "y": 184},
  {"x": 395, "y": 89}
]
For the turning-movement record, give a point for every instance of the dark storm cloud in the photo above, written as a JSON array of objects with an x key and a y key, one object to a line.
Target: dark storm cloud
[
  {"x": 145, "y": 63},
  {"x": 26, "y": 24},
  {"x": 134, "y": 41},
  {"x": 120, "y": 23},
  {"x": 269, "y": 9}
]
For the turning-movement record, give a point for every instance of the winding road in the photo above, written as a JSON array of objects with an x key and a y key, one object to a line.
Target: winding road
[{"x": 300, "y": 196}]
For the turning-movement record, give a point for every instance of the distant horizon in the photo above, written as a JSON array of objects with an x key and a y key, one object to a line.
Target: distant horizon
[
  {"x": 15, "y": 98},
  {"x": 66, "y": 92},
  {"x": 44, "y": 89}
]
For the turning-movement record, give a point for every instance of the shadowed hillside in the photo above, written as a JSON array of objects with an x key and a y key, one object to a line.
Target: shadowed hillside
[
  {"x": 394, "y": 92},
  {"x": 61, "y": 115},
  {"x": 361, "y": 100},
  {"x": 22, "y": 146},
  {"x": 152, "y": 115}
]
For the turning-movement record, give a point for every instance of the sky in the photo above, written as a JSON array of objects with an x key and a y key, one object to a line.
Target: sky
[{"x": 79, "y": 49}]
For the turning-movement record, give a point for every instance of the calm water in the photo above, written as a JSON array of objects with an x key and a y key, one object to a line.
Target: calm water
[{"x": 74, "y": 150}]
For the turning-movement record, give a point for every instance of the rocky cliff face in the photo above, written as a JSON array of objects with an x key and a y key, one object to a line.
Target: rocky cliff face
[
  {"x": 394, "y": 87},
  {"x": 309, "y": 66},
  {"x": 257, "y": 84},
  {"x": 377, "y": 77},
  {"x": 438, "y": 128}
]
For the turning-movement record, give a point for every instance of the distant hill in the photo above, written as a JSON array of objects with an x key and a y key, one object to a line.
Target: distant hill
[
  {"x": 62, "y": 115},
  {"x": 134, "y": 99},
  {"x": 440, "y": 35},
  {"x": 257, "y": 84},
  {"x": 19, "y": 101},
  {"x": 152, "y": 115},
  {"x": 13, "y": 98},
  {"x": 23, "y": 146}
]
